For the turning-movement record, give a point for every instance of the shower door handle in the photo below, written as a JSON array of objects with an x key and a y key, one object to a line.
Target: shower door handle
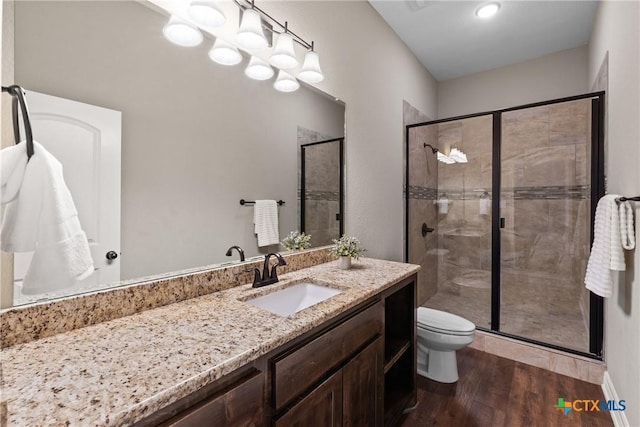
[{"x": 502, "y": 222}]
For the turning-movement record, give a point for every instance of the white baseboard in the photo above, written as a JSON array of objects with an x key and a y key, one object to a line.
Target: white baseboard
[{"x": 619, "y": 418}]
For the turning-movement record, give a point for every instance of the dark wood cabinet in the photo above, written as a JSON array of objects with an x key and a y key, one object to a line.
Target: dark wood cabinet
[
  {"x": 362, "y": 387},
  {"x": 320, "y": 408},
  {"x": 356, "y": 370}
]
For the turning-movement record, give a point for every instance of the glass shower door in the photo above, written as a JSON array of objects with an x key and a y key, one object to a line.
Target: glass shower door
[{"x": 545, "y": 212}]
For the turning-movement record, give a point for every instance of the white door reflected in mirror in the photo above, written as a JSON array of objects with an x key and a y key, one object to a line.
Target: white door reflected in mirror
[{"x": 86, "y": 139}]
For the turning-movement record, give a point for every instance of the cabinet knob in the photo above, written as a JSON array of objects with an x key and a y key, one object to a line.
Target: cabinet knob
[{"x": 111, "y": 255}]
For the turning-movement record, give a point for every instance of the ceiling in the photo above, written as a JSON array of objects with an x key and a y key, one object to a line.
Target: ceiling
[{"x": 451, "y": 41}]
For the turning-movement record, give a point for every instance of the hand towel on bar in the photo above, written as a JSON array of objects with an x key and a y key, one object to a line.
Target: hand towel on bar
[
  {"x": 44, "y": 219},
  {"x": 627, "y": 232},
  {"x": 606, "y": 253},
  {"x": 13, "y": 164},
  {"x": 265, "y": 218}
]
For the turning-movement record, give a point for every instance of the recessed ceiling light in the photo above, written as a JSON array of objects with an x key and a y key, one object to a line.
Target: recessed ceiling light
[{"x": 487, "y": 10}]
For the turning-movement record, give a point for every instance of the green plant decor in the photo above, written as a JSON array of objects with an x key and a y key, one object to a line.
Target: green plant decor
[
  {"x": 297, "y": 241},
  {"x": 347, "y": 246}
]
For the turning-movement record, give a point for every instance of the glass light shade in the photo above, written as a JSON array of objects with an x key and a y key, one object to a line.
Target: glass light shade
[
  {"x": 487, "y": 10},
  {"x": 182, "y": 33},
  {"x": 250, "y": 35},
  {"x": 311, "y": 72},
  {"x": 224, "y": 53},
  {"x": 286, "y": 82},
  {"x": 206, "y": 13},
  {"x": 458, "y": 156},
  {"x": 258, "y": 69},
  {"x": 283, "y": 56},
  {"x": 445, "y": 159}
]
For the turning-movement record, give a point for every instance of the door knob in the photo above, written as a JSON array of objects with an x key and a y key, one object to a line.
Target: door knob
[
  {"x": 426, "y": 229},
  {"x": 111, "y": 255}
]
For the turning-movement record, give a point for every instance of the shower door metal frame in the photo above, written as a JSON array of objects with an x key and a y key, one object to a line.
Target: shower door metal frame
[
  {"x": 596, "y": 303},
  {"x": 303, "y": 183}
]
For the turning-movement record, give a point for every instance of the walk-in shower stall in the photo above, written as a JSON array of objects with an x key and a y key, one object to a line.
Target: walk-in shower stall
[{"x": 504, "y": 237}]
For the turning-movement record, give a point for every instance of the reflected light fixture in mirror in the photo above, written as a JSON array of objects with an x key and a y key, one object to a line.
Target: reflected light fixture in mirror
[
  {"x": 258, "y": 69},
  {"x": 224, "y": 53},
  {"x": 286, "y": 82},
  {"x": 250, "y": 35},
  {"x": 487, "y": 10},
  {"x": 283, "y": 56},
  {"x": 311, "y": 72},
  {"x": 182, "y": 33},
  {"x": 206, "y": 13}
]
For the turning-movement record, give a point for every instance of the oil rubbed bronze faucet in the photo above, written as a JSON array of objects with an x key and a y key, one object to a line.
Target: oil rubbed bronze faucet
[
  {"x": 268, "y": 277},
  {"x": 237, "y": 248}
]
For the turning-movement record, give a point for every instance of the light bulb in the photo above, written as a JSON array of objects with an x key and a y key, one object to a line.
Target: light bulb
[
  {"x": 487, "y": 10},
  {"x": 224, "y": 53},
  {"x": 206, "y": 13},
  {"x": 283, "y": 56},
  {"x": 286, "y": 82},
  {"x": 311, "y": 72},
  {"x": 250, "y": 35},
  {"x": 258, "y": 69},
  {"x": 182, "y": 33}
]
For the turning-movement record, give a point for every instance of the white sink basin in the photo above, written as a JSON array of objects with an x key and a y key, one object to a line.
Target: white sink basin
[{"x": 294, "y": 298}]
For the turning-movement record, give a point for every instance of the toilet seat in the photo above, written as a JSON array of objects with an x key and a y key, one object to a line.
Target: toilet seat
[{"x": 443, "y": 322}]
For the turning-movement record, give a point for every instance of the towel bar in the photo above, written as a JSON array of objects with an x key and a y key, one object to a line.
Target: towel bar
[
  {"x": 251, "y": 202},
  {"x": 630, "y": 199}
]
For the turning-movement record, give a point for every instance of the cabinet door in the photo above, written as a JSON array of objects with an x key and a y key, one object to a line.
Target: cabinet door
[
  {"x": 320, "y": 408},
  {"x": 239, "y": 406},
  {"x": 362, "y": 387}
]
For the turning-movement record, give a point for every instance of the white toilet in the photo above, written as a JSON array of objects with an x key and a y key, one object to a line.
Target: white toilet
[{"x": 440, "y": 334}]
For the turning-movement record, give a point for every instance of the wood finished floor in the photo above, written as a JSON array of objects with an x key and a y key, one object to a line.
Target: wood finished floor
[{"x": 498, "y": 392}]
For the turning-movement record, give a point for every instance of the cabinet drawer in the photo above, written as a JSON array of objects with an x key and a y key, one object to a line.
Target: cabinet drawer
[
  {"x": 298, "y": 370},
  {"x": 241, "y": 404}
]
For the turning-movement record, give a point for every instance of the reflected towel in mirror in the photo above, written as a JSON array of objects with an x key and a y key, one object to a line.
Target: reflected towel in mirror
[
  {"x": 44, "y": 219},
  {"x": 265, "y": 218}
]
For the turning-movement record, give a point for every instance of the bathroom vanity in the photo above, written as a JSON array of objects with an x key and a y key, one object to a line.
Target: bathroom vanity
[{"x": 348, "y": 360}]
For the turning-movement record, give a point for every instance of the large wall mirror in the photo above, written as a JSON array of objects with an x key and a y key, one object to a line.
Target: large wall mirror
[{"x": 169, "y": 141}]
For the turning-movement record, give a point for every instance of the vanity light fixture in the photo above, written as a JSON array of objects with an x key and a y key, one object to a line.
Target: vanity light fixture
[
  {"x": 283, "y": 56},
  {"x": 206, "y": 13},
  {"x": 182, "y": 33},
  {"x": 258, "y": 69},
  {"x": 224, "y": 53},
  {"x": 311, "y": 72},
  {"x": 488, "y": 10},
  {"x": 250, "y": 35},
  {"x": 286, "y": 82}
]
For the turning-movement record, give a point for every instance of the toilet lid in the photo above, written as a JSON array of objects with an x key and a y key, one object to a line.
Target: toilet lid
[{"x": 442, "y": 321}]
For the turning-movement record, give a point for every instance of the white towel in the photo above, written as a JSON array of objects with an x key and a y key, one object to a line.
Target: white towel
[
  {"x": 627, "y": 232},
  {"x": 43, "y": 218},
  {"x": 265, "y": 218},
  {"x": 13, "y": 165},
  {"x": 606, "y": 253},
  {"x": 485, "y": 206}
]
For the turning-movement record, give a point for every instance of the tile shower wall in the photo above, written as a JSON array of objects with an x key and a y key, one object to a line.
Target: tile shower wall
[
  {"x": 422, "y": 188},
  {"x": 545, "y": 245},
  {"x": 322, "y": 183},
  {"x": 545, "y": 202},
  {"x": 464, "y": 221}
]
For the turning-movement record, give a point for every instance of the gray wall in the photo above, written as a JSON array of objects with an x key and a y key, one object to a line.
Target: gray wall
[
  {"x": 616, "y": 33},
  {"x": 551, "y": 76},
  {"x": 197, "y": 136}
]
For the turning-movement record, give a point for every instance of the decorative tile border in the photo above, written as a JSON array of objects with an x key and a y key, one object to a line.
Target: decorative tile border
[
  {"x": 332, "y": 196},
  {"x": 574, "y": 192},
  {"x": 424, "y": 193},
  {"x": 27, "y": 323}
]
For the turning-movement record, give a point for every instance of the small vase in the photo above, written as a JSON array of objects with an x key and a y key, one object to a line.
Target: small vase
[{"x": 345, "y": 262}]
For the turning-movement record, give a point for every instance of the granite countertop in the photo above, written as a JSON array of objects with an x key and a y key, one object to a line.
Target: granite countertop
[{"x": 118, "y": 372}]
